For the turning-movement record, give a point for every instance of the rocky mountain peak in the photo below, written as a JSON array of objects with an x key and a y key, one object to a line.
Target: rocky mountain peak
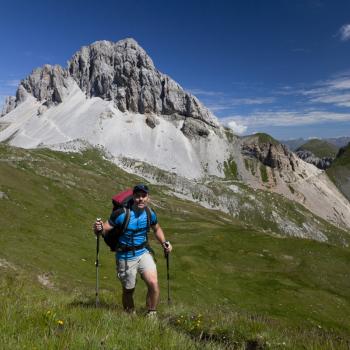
[{"x": 123, "y": 72}]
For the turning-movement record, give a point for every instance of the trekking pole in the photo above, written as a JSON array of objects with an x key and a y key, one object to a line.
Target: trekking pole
[
  {"x": 167, "y": 274},
  {"x": 97, "y": 265},
  {"x": 168, "y": 277}
]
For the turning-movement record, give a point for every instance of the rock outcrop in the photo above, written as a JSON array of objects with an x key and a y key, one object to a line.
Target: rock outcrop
[
  {"x": 274, "y": 155},
  {"x": 309, "y": 157},
  {"x": 10, "y": 104},
  {"x": 193, "y": 128},
  {"x": 48, "y": 84},
  {"x": 124, "y": 73}
]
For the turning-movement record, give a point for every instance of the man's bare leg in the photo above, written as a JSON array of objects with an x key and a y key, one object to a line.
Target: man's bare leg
[
  {"x": 151, "y": 280},
  {"x": 128, "y": 300}
]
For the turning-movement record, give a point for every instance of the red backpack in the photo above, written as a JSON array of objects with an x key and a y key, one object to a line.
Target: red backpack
[{"x": 122, "y": 199}]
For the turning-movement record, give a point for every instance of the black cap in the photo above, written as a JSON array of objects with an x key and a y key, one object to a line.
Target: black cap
[{"x": 141, "y": 187}]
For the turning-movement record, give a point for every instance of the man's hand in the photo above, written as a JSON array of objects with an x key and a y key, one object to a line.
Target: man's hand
[
  {"x": 167, "y": 247},
  {"x": 98, "y": 227}
]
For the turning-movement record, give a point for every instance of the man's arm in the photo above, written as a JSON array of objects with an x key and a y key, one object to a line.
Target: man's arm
[{"x": 159, "y": 234}]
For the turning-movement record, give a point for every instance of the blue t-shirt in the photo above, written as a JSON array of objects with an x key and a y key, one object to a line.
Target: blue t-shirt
[{"x": 136, "y": 232}]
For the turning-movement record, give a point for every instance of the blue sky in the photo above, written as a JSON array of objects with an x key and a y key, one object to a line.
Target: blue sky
[{"x": 280, "y": 67}]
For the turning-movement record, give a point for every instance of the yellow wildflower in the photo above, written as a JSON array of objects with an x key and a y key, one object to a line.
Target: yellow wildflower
[{"x": 60, "y": 322}]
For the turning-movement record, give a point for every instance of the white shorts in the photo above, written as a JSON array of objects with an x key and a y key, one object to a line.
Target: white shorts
[{"x": 127, "y": 269}]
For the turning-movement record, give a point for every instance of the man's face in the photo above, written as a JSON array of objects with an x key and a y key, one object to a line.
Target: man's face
[{"x": 141, "y": 199}]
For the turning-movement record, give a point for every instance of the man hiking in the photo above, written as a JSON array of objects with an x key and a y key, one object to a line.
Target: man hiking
[{"x": 133, "y": 254}]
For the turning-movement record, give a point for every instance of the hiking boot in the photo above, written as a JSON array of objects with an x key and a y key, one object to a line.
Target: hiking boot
[
  {"x": 130, "y": 311},
  {"x": 151, "y": 314}
]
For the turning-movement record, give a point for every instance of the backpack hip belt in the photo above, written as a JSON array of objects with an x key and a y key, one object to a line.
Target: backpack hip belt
[{"x": 125, "y": 248}]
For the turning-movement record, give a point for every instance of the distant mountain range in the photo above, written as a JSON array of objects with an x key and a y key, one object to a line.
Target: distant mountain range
[
  {"x": 317, "y": 152},
  {"x": 336, "y": 141}
]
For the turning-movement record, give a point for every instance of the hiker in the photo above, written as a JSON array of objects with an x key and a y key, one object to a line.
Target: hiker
[{"x": 133, "y": 254}]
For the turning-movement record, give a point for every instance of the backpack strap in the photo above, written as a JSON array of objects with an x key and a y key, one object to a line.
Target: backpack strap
[
  {"x": 148, "y": 212},
  {"x": 126, "y": 220},
  {"x": 148, "y": 246}
]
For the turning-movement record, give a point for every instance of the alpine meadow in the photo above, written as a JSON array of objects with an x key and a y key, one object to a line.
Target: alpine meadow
[{"x": 262, "y": 291}]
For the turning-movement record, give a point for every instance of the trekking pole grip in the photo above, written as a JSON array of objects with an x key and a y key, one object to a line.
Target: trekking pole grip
[
  {"x": 165, "y": 246},
  {"x": 99, "y": 232}
]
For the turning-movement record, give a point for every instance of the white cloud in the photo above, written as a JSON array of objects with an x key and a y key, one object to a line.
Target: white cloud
[
  {"x": 252, "y": 101},
  {"x": 237, "y": 128},
  {"x": 9, "y": 82},
  {"x": 342, "y": 100},
  {"x": 286, "y": 118},
  {"x": 13, "y": 82},
  {"x": 217, "y": 107},
  {"x": 200, "y": 92},
  {"x": 344, "y": 32},
  {"x": 226, "y": 103},
  {"x": 301, "y": 49},
  {"x": 218, "y": 101},
  {"x": 334, "y": 91},
  {"x": 340, "y": 83}
]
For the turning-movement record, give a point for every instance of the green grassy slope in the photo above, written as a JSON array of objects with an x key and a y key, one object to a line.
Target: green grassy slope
[
  {"x": 320, "y": 148},
  {"x": 232, "y": 286},
  {"x": 339, "y": 171},
  {"x": 262, "y": 138}
]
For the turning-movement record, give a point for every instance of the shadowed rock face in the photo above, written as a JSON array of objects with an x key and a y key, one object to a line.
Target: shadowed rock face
[
  {"x": 309, "y": 157},
  {"x": 273, "y": 155},
  {"x": 48, "y": 84},
  {"x": 124, "y": 73},
  {"x": 193, "y": 128}
]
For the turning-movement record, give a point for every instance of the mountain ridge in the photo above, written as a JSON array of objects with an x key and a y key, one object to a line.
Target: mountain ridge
[
  {"x": 340, "y": 141},
  {"x": 54, "y": 112},
  {"x": 320, "y": 148}
]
